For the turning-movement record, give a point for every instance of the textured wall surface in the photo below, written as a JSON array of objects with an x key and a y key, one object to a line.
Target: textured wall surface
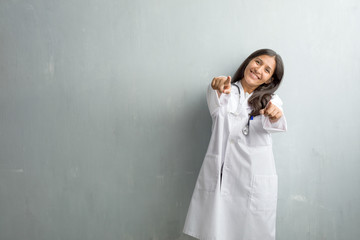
[{"x": 104, "y": 123}]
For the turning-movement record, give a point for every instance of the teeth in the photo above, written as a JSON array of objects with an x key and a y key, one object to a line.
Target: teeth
[{"x": 254, "y": 74}]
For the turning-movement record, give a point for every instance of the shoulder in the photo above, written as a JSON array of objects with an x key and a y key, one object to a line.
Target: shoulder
[{"x": 235, "y": 87}]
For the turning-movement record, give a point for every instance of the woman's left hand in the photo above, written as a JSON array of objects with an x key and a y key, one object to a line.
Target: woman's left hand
[{"x": 272, "y": 111}]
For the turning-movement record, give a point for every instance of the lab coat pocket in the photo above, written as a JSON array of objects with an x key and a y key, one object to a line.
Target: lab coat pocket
[
  {"x": 258, "y": 136},
  {"x": 263, "y": 195},
  {"x": 209, "y": 173}
]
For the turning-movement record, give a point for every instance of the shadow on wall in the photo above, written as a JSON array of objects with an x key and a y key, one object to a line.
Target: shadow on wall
[{"x": 190, "y": 131}]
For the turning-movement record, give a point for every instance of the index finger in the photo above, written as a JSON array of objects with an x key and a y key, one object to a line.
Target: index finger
[
  {"x": 268, "y": 105},
  {"x": 227, "y": 81}
]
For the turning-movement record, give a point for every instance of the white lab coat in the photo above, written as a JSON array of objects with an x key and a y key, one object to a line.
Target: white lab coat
[{"x": 240, "y": 205}]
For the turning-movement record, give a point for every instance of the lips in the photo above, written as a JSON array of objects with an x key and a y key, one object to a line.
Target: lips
[{"x": 253, "y": 75}]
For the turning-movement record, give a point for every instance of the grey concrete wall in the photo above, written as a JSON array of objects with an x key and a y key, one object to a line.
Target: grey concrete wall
[{"x": 104, "y": 123}]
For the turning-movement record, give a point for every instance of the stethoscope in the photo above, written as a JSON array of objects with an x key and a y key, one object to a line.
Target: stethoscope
[{"x": 246, "y": 129}]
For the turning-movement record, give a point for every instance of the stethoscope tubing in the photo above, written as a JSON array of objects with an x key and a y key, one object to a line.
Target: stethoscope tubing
[{"x": 246, "y": 129}]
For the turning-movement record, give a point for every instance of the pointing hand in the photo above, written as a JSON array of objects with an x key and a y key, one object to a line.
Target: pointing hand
[
  {"x": 272, "y": 111},
  {"x": 222, "y": 84}
]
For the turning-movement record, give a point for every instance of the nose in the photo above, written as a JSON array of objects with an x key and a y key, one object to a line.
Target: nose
[
  {"x": 260, "y": 69},
  {"x": 257, "y": 69}
]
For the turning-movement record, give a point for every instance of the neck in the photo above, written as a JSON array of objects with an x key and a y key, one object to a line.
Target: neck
[{"x": 246, "y": 87}]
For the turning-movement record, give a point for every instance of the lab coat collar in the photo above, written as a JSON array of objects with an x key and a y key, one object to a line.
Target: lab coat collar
[{"x": 243, "y": 93}]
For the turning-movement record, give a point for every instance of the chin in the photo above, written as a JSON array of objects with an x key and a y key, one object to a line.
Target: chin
[{"x": 251, "y": 82}]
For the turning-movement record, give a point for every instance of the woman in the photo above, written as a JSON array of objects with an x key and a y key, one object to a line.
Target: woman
[{"x": 235, "y": 195}]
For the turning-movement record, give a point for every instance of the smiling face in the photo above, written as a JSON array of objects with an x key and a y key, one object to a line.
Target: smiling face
[{"x": 259, "y": 70}]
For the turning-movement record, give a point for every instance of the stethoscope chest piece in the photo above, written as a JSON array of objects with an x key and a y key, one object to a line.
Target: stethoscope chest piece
[{"x": 245, "y": 130}]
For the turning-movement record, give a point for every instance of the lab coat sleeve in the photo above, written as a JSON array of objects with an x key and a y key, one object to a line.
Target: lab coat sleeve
[
  {"x": 278, "y": 126},
  {"x": 214, "y": 101}
]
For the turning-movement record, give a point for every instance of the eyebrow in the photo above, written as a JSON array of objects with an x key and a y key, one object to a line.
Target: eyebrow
[{"x": 263, "y": 62}]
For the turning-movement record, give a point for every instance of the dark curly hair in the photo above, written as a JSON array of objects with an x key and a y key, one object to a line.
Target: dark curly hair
[{"x": 262, "y": 94}]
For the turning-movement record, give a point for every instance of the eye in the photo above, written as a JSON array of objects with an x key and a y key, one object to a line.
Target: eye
[
  {"x": 267, "y": 70},
  {"x": 257, "y": 61}
]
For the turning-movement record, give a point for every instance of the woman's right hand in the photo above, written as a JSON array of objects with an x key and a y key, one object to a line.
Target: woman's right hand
[{"x": 222, "y": 84}]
